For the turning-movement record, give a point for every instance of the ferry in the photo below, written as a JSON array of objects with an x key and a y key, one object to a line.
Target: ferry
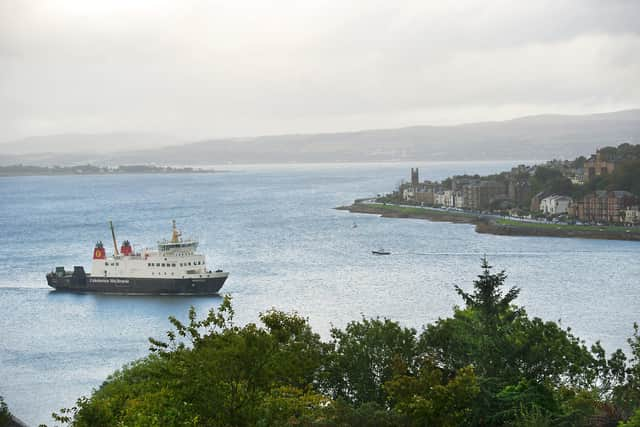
[{"x": 174, "y": 268}]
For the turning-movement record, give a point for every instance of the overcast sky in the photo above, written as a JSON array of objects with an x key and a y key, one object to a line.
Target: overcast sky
[{"x": 199, "y": 69}]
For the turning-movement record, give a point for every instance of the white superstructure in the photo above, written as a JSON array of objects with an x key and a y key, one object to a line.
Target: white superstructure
[{"x": 173, "y": 259}]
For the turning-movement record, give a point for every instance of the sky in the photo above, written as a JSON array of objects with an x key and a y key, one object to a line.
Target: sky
[{"x": 207, "y": 69}]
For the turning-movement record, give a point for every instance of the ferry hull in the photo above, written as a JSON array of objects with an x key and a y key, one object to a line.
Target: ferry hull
[{"x": 78, "y": 281}]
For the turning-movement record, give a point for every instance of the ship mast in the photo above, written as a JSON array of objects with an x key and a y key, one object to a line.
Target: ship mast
[
  {"x": 175, "y": 235},
  {"x": 113, "y": 234}
]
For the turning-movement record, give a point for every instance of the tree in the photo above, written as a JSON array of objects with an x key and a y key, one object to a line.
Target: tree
[
  {"x": 634, "y": 421},
  {"x": 5, "y": 415},
  {"x": 550, "y": 181},
  {"x": 212, "y": 372},
  {"x": 362, "y": 359},
  {"x": 521, "y": 363},
  {"x": 430, "y": 397},
  {"x": 487, "y": 365}
]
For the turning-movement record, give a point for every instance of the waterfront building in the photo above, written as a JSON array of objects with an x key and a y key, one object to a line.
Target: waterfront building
[
  {"x": 604, "y": 206},
  {"x": 480, "y": 195},
  {"x": 408, "y": 193},
  {"x": 555, "y": 204},
  {"x": 535, "y": 202},
  {"x": 632, "y": 215},
  {"x": 519, "y": 191},
  {"x": 449, "y": 198},
  {"x": 425, "y": 196}
]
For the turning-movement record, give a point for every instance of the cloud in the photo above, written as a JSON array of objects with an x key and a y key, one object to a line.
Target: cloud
[{"x": 206, "y": 69}]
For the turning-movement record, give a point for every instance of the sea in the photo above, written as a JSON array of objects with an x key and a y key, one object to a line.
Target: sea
[{"x": 275, "y": 229}]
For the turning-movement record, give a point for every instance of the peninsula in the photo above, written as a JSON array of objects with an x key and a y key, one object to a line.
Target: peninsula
[
  {"x": 596, "y": 198},
  {"x": 490, "y": 224}
]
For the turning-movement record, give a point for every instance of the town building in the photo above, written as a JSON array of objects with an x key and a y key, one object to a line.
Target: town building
[
  {"x": 424, "y": 196},
  {"x": 632, "y": 215},
  {"x": 598, "y": 165},
  {"x": 535, "y": 202},
  {"x": 604, "y": 206},
  {"x": 577, "y": 178},
  {"x": 449, "y": 198},
  {"x": 519, "y": 191},
  {"x": 408, "y": 194},
  {"x": 415, "y": 179},
  {"x": 480, "y": 195},
  {"x": 555, "y": 205}
]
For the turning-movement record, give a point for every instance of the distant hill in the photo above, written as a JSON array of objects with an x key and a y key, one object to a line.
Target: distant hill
[
  {"x": 533, "y": 138},
  {"x": 85, "y": 143}
]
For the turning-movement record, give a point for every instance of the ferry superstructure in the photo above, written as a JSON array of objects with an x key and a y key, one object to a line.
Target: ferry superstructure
[{"x": 174, "y": 268}]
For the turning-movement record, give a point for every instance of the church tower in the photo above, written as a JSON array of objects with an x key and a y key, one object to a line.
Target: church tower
[{"x": 414, "y": 177}]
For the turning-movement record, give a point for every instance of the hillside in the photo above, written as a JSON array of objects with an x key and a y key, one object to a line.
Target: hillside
[{"x": 535, "y": 137}]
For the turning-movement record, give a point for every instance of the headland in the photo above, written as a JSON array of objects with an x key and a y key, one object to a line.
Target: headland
[{"x": 493, "y": 224}]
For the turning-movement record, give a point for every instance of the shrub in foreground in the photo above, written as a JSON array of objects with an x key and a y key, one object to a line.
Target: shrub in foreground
[{"x": 489, "y": 364}]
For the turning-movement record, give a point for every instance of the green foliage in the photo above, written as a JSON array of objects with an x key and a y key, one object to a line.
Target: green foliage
[
  {"x": 626, "y": 176},
  {"x": 370, "y": 414},
  {"x": 521, "y": 361},
  {"x": 211, "y": 372},
  {"x": 634, "y": 421},
  {"x": 363, "y": 357},
  {"x": 430, "y": 397},
  {"x": 625, "y": 377},
  {"x": 487, "y": 365},
  {"x": 5, "y": 415},
  {"x": 551, "y": 181}
]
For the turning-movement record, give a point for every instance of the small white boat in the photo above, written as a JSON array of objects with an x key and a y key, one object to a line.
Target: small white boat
[{"x": 381, "y": 252}]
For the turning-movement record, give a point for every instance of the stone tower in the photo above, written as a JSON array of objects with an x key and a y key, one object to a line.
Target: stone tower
[{"x": 414, "y": 177}]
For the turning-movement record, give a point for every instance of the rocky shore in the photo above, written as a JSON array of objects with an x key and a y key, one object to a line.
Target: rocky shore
[{"x": 490, "y": 225}]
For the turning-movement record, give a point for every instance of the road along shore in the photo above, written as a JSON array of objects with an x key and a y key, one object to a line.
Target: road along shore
[{"x": 497, "y": 226}]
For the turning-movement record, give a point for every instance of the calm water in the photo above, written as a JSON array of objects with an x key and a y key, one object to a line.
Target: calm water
[{"x": 275, "y": 230}]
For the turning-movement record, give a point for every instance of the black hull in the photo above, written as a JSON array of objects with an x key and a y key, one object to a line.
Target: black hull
[{"x": 78, "y": 281}]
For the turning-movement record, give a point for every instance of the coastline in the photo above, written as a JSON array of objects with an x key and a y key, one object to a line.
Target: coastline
[
  {"x": 492, "y": 225},
  {"x": 90, "y": 170}
]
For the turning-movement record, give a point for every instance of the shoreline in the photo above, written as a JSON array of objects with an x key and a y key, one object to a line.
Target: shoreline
[
  {"x": 491, "y": 225},
  {"x": 198, "y": 172}
]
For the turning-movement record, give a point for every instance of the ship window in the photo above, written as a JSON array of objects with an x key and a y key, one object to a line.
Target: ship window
[
  {"x": 173, "y": 265},
  {"x": 117, "y": 263},
  {"x": 163, "y": 264},
  {"x": 189, "y": 264}
]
